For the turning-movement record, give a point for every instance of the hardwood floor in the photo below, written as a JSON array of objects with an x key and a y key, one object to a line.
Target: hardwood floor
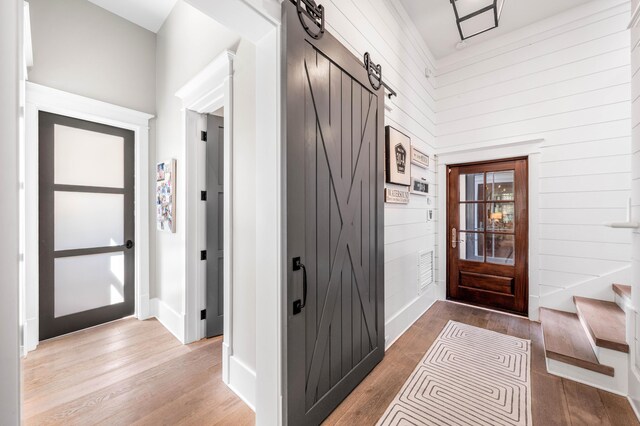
[
  {"x": 128, "y": 372},
  {"x": 133, "y": 372},
  {"x": 556, "y": 401}
]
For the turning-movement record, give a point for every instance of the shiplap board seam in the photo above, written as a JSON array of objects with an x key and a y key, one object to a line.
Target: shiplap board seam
[
  {"x": 535, "y": 117},
  {"x": 525, "y": 135},
  {"x": 520, "y": 76},
  {"x": 534, "y": 58},
  {"x": 583, "y": 158},
  {"x": 511, "y": 108},
  {"x": 555, "y": 82},
  {"x": 400, "y": 75},
  {"x": 408, "y": 55}
]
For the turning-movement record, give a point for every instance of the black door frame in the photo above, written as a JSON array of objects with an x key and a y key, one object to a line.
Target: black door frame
[{"x": 49, "y": 326}]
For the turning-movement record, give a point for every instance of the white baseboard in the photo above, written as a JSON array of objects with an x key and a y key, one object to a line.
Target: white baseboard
[
  {"x": 534, "y": 308},
  {"x": 170, "y": 319},
  {"x": 400, "y": 322},
  {"x": 31, "y": 335},
  {"x": 143, "y": 308},
  {"x": 242, "y": 381},
  {"x": 226, "y": 360},
  {"x": 596, "y": 288}
]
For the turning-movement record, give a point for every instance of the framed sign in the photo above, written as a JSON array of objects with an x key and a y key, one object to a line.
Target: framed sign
[
  {"x": 166, "y": 196},
  {"x": 397, "y": 151},
  {"x": 396, "y": 196},
  {"x": 419, "y": 186},
  {"x": 419, "y": 158}
]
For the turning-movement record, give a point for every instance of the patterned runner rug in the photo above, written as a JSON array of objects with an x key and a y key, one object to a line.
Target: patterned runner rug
[{"x": 470, "y": 376}]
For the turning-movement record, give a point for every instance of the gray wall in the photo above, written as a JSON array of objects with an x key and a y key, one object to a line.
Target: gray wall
[{"x": 81, "y": 48}]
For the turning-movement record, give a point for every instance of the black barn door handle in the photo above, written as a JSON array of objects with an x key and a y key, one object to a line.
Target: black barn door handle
[{"x": 298, "y": 305}]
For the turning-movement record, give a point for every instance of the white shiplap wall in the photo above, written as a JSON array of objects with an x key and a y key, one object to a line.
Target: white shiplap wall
[
  {"x": 634, "y": 377},
  {"x": 566, "y": 80},
  {"x": 381, "y": 28}
]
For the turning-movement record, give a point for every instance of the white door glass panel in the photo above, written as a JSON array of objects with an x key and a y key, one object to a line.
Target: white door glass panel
[
  {"x": 501, "y": 249},
  {"x": 86, "y": 158},
  {"x": 88, "y": 220},
  {"x": 472, "y": 187},
  {"x": 88, "y": 282},
  {"x": 472, "y": 217},
  {"x": 471, "y": 247}
]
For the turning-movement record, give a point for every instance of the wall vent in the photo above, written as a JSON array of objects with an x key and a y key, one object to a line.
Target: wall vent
[{"x": 425, "y": 270}]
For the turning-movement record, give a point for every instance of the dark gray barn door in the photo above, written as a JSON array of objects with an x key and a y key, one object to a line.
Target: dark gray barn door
[
  {"x": 215, "y": 217},
  {"x": 334, "y": 145}
]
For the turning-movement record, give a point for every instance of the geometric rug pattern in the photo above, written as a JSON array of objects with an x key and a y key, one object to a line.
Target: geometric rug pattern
[{"x": 469, "y": 376}]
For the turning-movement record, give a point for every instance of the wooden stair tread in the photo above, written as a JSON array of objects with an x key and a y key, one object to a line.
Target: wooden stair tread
[
  {"x": 605, "y": 321},
  {"x": 622, "y": 290},
  {"x": 565, "y": 340}
]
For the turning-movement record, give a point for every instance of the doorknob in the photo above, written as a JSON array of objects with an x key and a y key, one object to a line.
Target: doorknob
[
  {"x": 298, "y": 305},
  {"x": 454, "y": 238},
  {"x": 129, "y": 244}
]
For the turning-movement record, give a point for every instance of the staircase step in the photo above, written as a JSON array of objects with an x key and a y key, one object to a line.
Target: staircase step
[
  {"x": 565, "y": 340},
  {"x": 604, "y": 321},
  {"x": 622, "y": 290}
]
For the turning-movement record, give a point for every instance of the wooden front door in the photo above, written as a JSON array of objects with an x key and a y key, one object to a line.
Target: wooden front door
[
  {"x": 334, "y": 163},
  {"x": 488, "y": 235}
]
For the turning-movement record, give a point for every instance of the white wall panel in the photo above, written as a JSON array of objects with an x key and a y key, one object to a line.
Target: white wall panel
[{"x": 566, "y": 80}]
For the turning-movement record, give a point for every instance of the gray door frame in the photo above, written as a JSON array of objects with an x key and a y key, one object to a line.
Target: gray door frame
[{"x": 50, "y": 326}]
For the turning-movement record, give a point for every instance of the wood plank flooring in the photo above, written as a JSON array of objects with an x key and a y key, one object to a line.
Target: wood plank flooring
[
  {"x": 556, "y": 401},
  {"x": 136, "y": 372},
  {"x": 128, "y": 372}
]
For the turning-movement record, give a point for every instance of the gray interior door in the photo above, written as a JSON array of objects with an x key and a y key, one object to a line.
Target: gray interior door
[
  {"x": 215, "y": 227},
  {"x": 86, "y": 230},
  {"x": 334, "y": 163}
]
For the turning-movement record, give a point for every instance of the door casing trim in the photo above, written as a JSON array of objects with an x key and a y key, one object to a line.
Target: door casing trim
[
  {"x": 208, "y": 91},
  {"x": 532, "y": 150},
  {"x": 46, "y": 99}
]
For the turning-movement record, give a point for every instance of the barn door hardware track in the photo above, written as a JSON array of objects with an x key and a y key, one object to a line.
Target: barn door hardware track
[
  {"x": 375, "y": 75},
  {"x": 311, "y": 15}
]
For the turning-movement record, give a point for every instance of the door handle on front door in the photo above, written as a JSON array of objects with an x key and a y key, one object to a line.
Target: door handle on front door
[
  {"x": 454, "y": 238},
  {"x": 298, "y": 305}
]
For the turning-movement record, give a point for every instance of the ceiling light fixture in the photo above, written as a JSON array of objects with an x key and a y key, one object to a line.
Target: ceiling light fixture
[{"x": 475, "y": 17}]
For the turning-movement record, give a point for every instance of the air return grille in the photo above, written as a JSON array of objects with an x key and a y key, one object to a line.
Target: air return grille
[{"x": 425, "y": 270}]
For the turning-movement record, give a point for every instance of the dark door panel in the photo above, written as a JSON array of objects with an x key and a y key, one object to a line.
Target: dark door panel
[
  {"x": 334, "y": 161},
  {"x": 86, "y": 225},
  {"x": 215, "y": 228}
]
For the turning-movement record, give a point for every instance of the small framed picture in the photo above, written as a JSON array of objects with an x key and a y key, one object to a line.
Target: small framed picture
[
  {"x": 419, "y": 186},
  {"x": 397, "y": 151}
]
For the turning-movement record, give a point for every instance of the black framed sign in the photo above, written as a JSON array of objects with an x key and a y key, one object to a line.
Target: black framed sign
[
  {"x": 419, "y": 186},
  {"x": 397, "y": 150}
]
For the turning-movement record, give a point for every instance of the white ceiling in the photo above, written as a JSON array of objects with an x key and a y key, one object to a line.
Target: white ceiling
[
  {"x": 149, "y": 14},
  {"x": 436, "y": 21}
]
